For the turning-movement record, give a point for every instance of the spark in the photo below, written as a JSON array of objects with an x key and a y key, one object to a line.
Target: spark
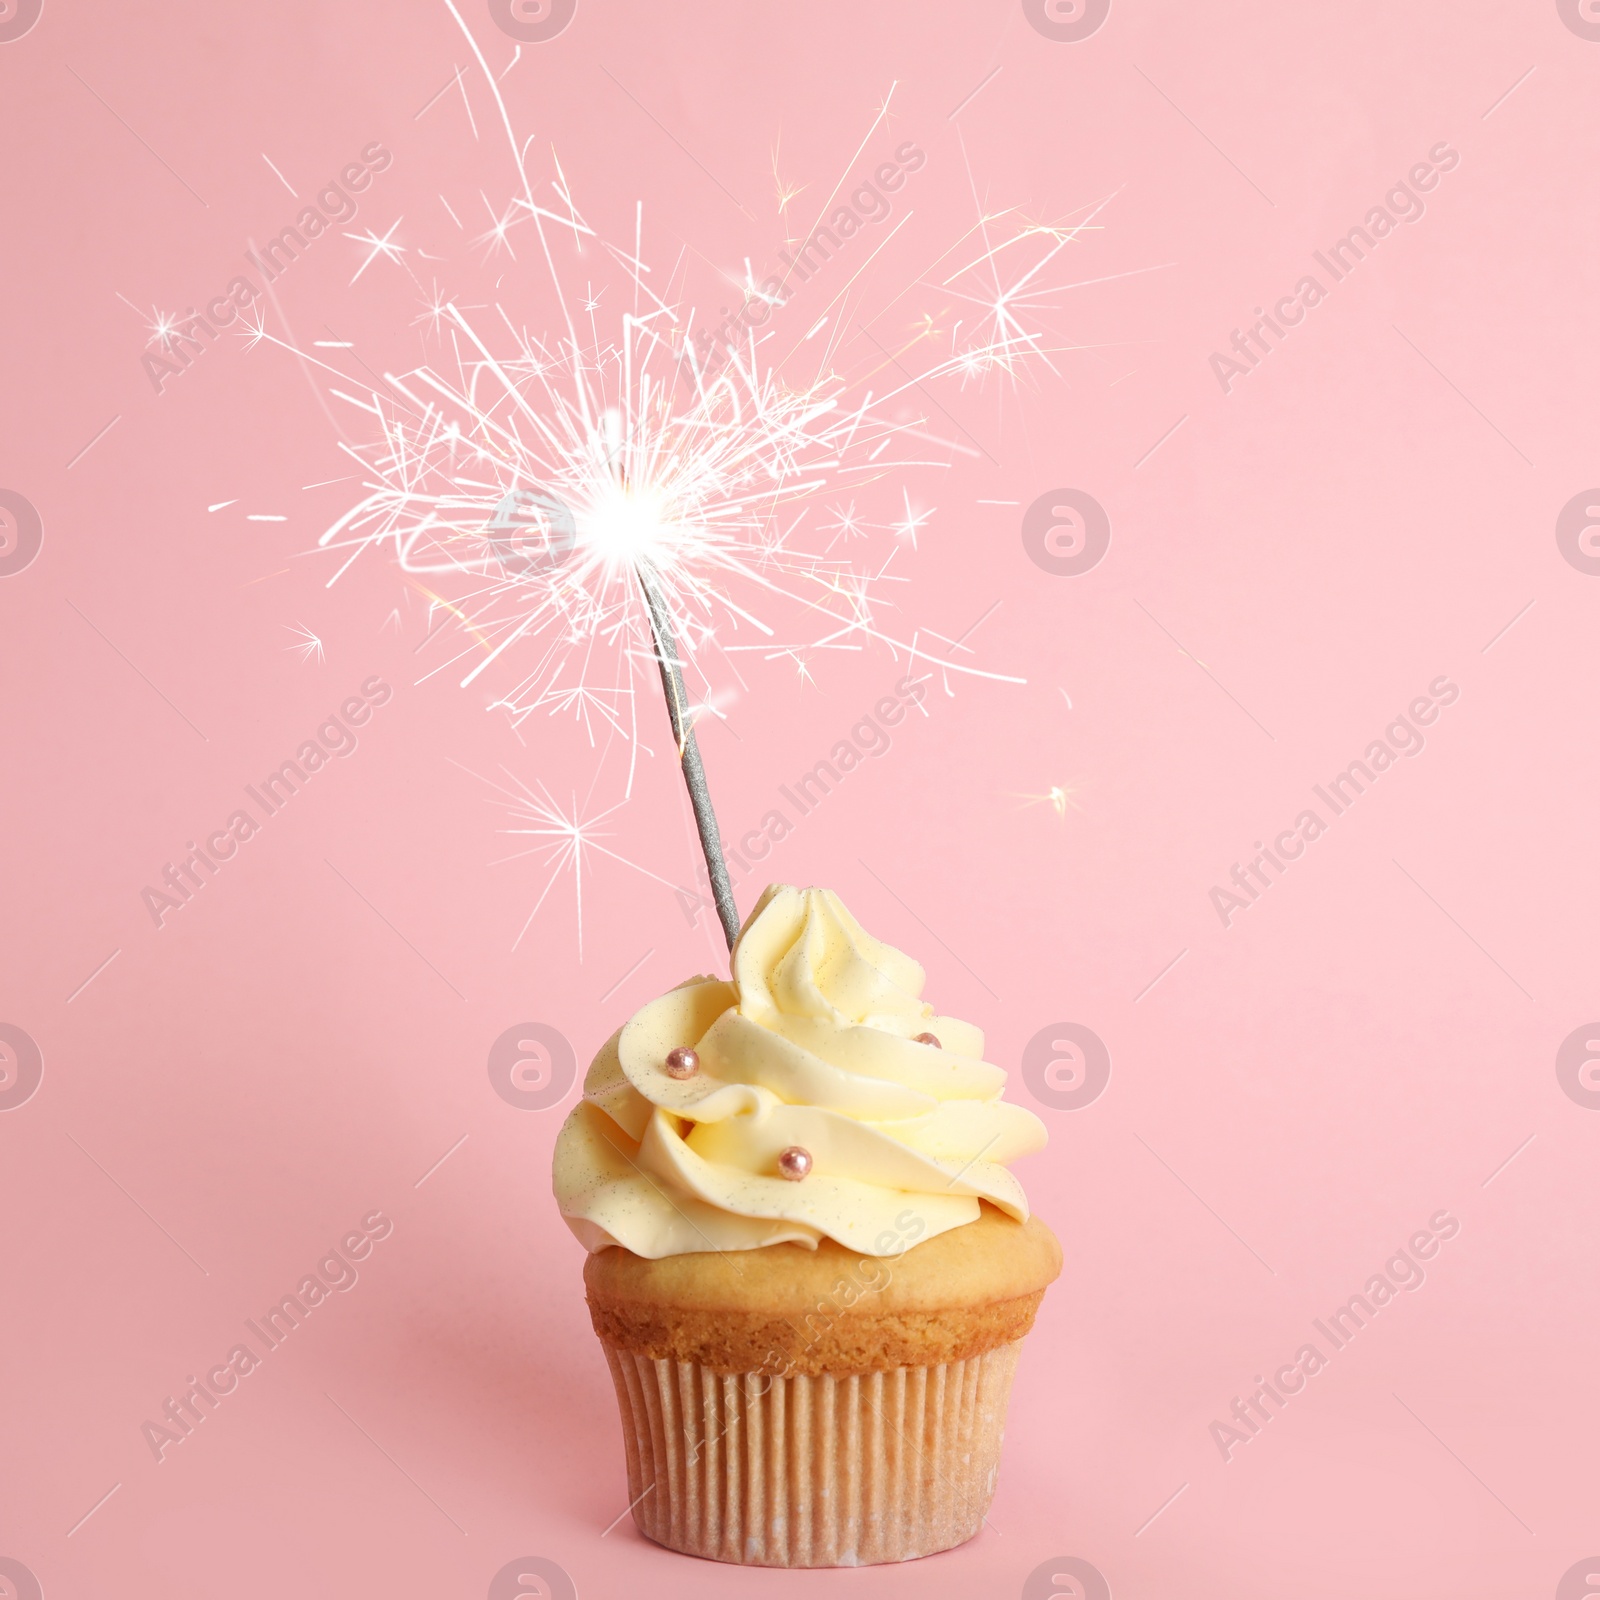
[
  {"x": 1003, "y": 281},
  {"x": 1058, "y": 797},
  {"x": 566, "y": 841},
  {"x": 999, "y": 339},
  {"x": 802, "y": 666},
  {"x": 785, "y": 191},
  {"x": 909, "y": 525},
  {"x": 498, "y": 235},
  {"x": 253, "y": 326},
  {"x": 162, "y": 326},
  {"x": 307, "y": 644},
  {"x": 435, "y": 310},
  {"x": 846, "y": 524},
  {"x": 278, "y": 175},
  {"x": 380, "y": 247}
]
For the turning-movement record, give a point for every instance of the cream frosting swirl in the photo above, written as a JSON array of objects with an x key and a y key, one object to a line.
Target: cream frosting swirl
[{"x": 813, "y": 1043}]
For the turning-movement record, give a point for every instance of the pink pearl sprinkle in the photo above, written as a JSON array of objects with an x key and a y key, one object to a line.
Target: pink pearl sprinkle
[
  {"x": 928, "y": 1038},
  {"x": 794, "y": 1163},
  {"x": 682, "y": 1062}
]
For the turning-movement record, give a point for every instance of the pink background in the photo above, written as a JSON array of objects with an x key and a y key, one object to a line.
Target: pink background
[{"x": 1369, "y": 1043}]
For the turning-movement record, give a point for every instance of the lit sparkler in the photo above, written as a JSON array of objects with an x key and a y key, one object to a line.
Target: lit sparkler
[
  {"x": 602, "y": 502},
  {"x": 1058, "y": 797}
]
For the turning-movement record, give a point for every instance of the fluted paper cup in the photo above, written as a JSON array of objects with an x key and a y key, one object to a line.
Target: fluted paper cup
[{"x": 811, "y": 1470}]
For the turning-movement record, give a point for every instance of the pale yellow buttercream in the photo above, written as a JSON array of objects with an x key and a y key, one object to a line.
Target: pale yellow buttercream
[{"x": 811, "y": 1044}]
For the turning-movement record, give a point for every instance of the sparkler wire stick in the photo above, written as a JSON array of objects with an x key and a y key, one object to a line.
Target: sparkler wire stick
[{"x": 694, "y": 771}]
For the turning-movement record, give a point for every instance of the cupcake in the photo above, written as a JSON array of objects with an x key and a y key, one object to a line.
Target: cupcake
[{"x": 810, "y": 1268}]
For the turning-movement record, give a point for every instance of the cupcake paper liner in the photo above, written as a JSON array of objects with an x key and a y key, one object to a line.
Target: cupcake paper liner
[{"x": 811, "y": 1471}]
